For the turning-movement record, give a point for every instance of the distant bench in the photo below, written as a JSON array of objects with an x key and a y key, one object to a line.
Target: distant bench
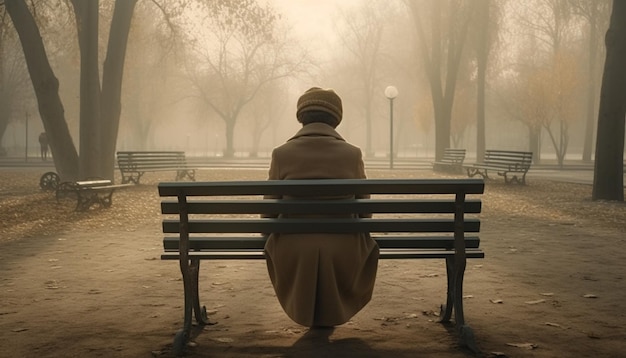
[
  {"x": 133, "y": 165},
  {"x": 412, "y": 219},
  {"x": 504, "y": 163},
  {"x": 451, "y": 161},
  {"x": 88, "y": 192}
]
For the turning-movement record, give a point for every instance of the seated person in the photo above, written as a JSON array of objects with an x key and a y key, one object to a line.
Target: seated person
[{"x": 321, "y": 280}]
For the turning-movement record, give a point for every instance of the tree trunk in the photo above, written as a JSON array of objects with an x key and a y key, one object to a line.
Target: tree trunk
[
  {"x": 46, "y": 87},
  {"x": 112, "y": 74},
  {"x": 534, "y": 135},
  {"x": 443, "y": 115},
  {"x": 229, "y": 151},
  {"x": 369, "y": 151},
  {"x": 481, "y": 60},
  {"x": 86, "y": 13},
  {"x": 591, "y": 88},
  {"x": 608, "y": 179}
]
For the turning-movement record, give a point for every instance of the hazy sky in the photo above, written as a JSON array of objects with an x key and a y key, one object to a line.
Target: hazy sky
[{"x": 312, "y": 20}]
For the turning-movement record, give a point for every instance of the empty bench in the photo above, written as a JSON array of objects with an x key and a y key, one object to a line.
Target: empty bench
[
  {"x": 133, "y": 165},
  {"x": 88, "y": 192},
  {"x": 412, "y": 219},
  {"x": 512, "y": 165},
  {"x": 452, "y": 161}
]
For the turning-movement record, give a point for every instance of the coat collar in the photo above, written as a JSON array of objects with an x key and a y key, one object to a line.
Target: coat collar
[{"x": 317, "y": 129}]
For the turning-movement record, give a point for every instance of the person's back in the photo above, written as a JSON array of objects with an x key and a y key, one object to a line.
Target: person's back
[{"x": 320, "y": 279}]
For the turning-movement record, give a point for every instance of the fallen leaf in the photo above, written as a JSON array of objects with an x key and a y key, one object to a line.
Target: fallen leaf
[
  {"x": 547, "y": 294},
  {"x": 554, "y": 325},
  {"x": 593, "y": 335},
  {"x": 498, "y": 355},
  {"x": 535, "y": 302},
  {"x": 496, "y": 301},
  {"x": 523, "y": 345},
  {"x": 590, "y": 295}
]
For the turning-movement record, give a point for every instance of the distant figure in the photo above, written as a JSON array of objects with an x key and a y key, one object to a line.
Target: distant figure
[
  {"x": 320, "y": 280},
  {"x": 43, "y": 142}
]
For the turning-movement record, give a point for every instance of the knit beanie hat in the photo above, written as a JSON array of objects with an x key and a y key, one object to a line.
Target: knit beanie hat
[{"x": 318, "y": 99}]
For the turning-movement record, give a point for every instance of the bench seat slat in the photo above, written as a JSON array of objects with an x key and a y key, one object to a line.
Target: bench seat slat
[
  {"x": 355, "y": 206},
  {"x": 384, "y": 254},
  {"x": 320, "y": 225}
]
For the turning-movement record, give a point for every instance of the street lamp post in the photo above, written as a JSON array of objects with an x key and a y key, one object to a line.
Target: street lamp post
[{"x": 391, "y": 92}]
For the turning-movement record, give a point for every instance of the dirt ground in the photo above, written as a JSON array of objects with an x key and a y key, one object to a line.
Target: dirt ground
[{"x": 92, "y": 284}]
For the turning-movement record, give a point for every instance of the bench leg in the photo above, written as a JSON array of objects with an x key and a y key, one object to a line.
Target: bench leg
[
  {"x": 454, "y": 300},
  {"x": 514, "y": 179},
  {"x": 131, "y": 177},
  {"x": 472, "y": 172},
  {"x": 189, "y": 173},
  {"x": 107, "y": 199},
  {"x": 517, "y": 179},
  {"x": 199, "y": 311},
  {"x": 190, "y": 271},
  {"x": 84, "y": 200},
  {"x": 127, "y": 178},
  {"x": 446, "y": 310}
]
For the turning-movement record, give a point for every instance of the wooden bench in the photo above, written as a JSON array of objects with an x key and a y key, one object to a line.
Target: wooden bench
[
  {"x": 133, "y": 165},
  {"x": 451, "y": 161},
  {"x": 412, "y": 219},
  {"x": 505, "y": 163},
  {"x": 88, "y": 192}
]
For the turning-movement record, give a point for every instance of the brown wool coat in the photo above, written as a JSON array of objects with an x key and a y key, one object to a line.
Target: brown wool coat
[{"x": 320, "y": 280}]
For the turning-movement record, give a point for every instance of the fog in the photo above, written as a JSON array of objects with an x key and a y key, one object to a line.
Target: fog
[{"x": 207, "y": 85}]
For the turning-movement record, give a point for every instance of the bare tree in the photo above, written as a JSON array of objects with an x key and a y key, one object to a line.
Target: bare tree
[
  {"x": 264, "y": 111},
  {"x": 46, "y": 87},
  {"x": 362, "y": 35},
  {"x": 487, "y": 27},
  {"x": 608, "y": 179},
  {"x": 154, "y": 81},
  {"x": 246, "y": 51},
  {"x": 442, "y": 28},
  {"x": 13, "y": 76},
  {"x": 100, "y": 107},
  {"x": 597, "y": 14},
  {"x": 549, "y": 23},
  {"x": 562, "y": 81}
]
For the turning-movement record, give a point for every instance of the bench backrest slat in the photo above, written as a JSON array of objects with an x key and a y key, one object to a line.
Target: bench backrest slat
[
  {"x": 320, "y": 225},
  {"x": 453, "y": 155},
  {"x": 258, "y": 242},
  {"x": 355, "y": 206},
  {"x": 323, "y": 187},
  {"x": 507, "y": 159},
  {"x": 127, "y": 160}
]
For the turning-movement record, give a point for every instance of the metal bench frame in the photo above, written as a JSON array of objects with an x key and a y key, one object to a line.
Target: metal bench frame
[
  {"x": 89, "y": 192},
  {"x": 504, "y": 163},
  {"x": 419, "y": 219}
]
